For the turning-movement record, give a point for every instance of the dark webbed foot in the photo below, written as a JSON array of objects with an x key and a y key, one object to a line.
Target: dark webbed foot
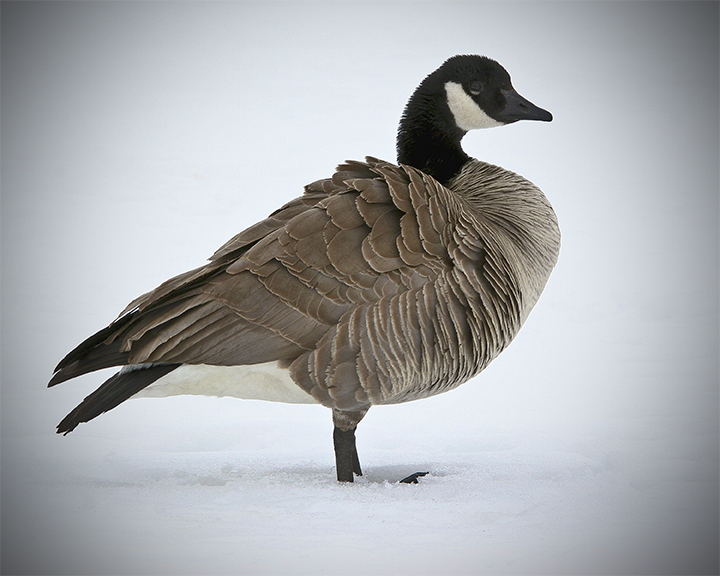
[
  {"x": 413, "y": 478},
  {"x": 347, "y": 462}
]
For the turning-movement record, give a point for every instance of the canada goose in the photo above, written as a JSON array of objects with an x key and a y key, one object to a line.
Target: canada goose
[{"x": 379, "y": 285}]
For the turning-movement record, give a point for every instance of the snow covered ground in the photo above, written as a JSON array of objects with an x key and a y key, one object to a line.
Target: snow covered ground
[
  {"x": 493, "y": 504},
  {"x": 138, "y": 137}
]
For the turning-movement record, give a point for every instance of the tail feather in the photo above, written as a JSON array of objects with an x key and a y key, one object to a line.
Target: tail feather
[
  {"x": 90, "y": 363},
  {"x": 101, "y": 350},
  {"x": 115, "y": 390}
]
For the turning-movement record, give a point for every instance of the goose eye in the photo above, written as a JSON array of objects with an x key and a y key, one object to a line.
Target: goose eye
[{"x": 475, "y": 87}]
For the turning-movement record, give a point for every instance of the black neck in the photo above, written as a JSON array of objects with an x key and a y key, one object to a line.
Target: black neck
[{"x": 430, "y": 142}]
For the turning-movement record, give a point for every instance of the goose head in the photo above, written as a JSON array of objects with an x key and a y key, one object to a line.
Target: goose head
[{"x": 465, "y": 93}]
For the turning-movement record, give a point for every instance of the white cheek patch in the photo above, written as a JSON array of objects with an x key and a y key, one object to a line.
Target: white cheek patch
[
  {"x": 468, "y": 115},
  {"x": 255, "y": 382}
]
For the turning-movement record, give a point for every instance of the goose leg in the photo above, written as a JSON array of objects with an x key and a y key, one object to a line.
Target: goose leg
[
  {"x": 346, "y": 456},
  {"x": 347, "y": 463}
]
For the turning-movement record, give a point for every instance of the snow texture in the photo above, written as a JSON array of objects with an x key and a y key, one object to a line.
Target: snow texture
[{"x": 138, "y": 137}]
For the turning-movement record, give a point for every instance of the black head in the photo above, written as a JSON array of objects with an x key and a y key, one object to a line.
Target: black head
[{"x": 465, "y": 93}]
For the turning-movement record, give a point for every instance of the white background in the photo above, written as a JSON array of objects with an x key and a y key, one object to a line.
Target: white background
[{"x": 138, "y": 137}]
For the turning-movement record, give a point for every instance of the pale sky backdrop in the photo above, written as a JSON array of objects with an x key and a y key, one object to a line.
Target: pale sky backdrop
[{"x": 137, "y": 137}]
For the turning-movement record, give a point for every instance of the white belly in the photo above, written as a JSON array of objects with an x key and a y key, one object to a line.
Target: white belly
[{"x": 255, "y": 382}]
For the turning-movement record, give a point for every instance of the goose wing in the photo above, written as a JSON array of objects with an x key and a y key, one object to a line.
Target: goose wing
[
  {"x": 413, "y": 326},
  {"x": 174, "y": 303},
  {"x": 352, "y": 285}
]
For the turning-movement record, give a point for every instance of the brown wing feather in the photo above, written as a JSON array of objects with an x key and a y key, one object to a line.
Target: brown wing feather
[{"x": 271, "y": 292}]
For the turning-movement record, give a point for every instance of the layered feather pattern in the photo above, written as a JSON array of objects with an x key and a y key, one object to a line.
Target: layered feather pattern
[{"x": 378, "y": 285}]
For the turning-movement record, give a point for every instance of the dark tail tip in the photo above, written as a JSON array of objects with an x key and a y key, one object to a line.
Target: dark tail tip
[{"x": 114, "y": 391}]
